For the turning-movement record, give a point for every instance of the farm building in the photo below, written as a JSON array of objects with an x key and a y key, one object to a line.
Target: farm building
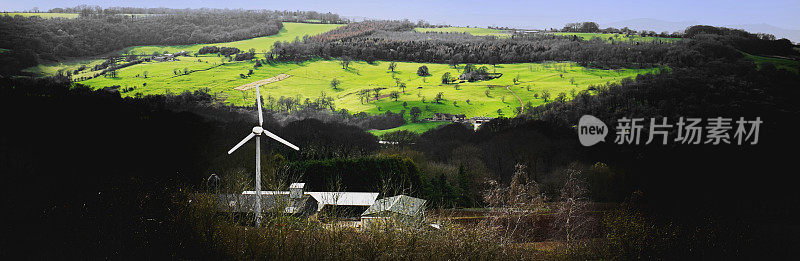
[
  {"x": 399, "y": 209},
  {"x": 448, "y": 117},
  {"x": 477, "y": 121},
  {"x": 169, "y": 57},
  {"x": 346, "y": 204}
]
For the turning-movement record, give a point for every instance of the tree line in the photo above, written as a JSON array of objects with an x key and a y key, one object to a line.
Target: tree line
[
  {"x": 592, "y": 27},
  {"x": 288, "y": 16},
  {"x": 52, "y": 39},
  {"x": 394, "y": 41}
]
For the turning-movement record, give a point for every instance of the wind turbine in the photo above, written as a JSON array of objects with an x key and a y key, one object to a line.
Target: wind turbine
[{"x": 257, "y": 131}]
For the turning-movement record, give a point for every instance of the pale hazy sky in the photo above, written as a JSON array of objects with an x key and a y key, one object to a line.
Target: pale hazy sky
[{"x": 513, "y": 13}]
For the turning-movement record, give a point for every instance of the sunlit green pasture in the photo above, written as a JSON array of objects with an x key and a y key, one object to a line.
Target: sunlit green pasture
[
  {"x": 417, "y": 127},
  {"x": 45, "y": 15},
  {"x": 622, "y": 37},
  {"x": 786, "y": 64},
  {"x": 310, "y": 79},
  {"x": 214, "y": 73},
  {"x": 53, "y": 68},
  {"x": 470, "y": 30}
]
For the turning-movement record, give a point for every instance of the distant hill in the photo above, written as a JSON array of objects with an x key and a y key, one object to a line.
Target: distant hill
[
  {"x": 792, "y": 35},
  {"x": 661, "y": 26},
  {"x": 651, "y": 25}
]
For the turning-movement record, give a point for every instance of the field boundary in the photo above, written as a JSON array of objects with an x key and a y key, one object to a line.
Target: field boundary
[{"x": 252, "y": 85}]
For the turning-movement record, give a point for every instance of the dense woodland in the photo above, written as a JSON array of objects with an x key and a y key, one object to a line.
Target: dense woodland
[
  {"x": 286, "y": 16},
  {"x": 592, "y": 27},
  {"x": 51, "y": 39},
  {"x": 386, "y": 40}
]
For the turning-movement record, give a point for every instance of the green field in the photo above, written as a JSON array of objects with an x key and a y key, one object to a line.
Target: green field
[
  {"x": 622, "y": 37},
  {"x": 311, "y": 79},
  {"x": 289, "y": 32},
  {"x": 786, "y": 64},
  {"x": 469, "y": 30},
  {"x": 45, "y": 15},
  {"x": 418, "y": 127},
  {"x": 53, "y": 68}
]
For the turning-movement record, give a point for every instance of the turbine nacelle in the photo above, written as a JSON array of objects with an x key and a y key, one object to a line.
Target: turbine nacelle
[{"x": 257, "y": 130}]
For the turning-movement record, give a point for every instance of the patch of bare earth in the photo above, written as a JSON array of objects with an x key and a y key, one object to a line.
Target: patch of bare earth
[{"x": 251, "y": 85}]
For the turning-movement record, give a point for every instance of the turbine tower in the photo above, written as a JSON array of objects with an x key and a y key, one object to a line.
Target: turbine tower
[{"x": 257, "y": 131}]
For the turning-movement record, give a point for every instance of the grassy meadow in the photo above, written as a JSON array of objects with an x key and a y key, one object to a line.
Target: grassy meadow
[
  {"x": 470, "y": 30},
  {"x": 622, "y": 37},
  {"x": 311, "y": 79},
  {"x": 417, "y": 127},
  {"x": 53, "y": 68},
  {"x": 45, "y": 15},
  {"x": 786, "y": 64}
]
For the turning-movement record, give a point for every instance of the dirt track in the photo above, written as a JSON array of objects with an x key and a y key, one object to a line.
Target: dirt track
[
  {"x": 252, "y": 85},
  {"x": 521, "y": 105}
]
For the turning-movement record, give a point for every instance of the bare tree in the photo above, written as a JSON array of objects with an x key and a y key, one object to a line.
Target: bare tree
[
  {"x": 571, "y": 215},
  {"x": 512, "y": 203}
]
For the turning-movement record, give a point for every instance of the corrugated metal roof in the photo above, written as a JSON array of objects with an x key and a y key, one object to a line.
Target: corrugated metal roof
[
  {"x": 265, "y": 192},
  {"x": 331, "y": 198},
  {"x": 401, "y": 204},
  {"x": 345, "y": 198}
]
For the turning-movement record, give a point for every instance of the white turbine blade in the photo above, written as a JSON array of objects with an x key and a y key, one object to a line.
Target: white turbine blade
[
  {"x": 242, "y": 142},
  {"x": 275, "y": 137},
  {"x": 258, "y": 101}
]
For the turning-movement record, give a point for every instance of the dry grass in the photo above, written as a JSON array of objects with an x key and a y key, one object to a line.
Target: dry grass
[{"x": 289, "y": 238}]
